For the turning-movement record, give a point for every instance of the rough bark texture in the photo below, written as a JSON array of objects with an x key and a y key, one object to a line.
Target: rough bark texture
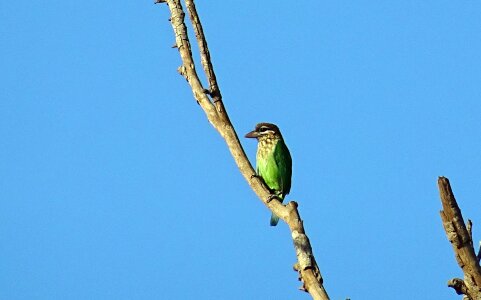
[
  {"x": 460, "y": 237},
  {"x": 210, "y": 100}
]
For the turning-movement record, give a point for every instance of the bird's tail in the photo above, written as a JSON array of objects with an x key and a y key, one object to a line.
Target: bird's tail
[{"x": 274, "y": 220}]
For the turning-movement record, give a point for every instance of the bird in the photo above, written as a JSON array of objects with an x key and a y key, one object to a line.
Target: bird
[{"x": 273, "y": 161}]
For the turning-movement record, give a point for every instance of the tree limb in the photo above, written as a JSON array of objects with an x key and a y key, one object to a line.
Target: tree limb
[
  {"x": 461, "y": 240},
  {"x": 204, "y": 55},
  {"x": 211, "y": 102}
]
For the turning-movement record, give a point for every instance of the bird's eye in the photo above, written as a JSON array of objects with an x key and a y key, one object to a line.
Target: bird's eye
[{"x": 262, "y": 129}]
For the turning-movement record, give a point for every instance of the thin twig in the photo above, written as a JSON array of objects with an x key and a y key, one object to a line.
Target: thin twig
[
  {"x": 469, "y": 228},
  {"x": 204, "y": 54},
  {"x": 217, "y": 116},
  {"x": 479, "y": 253}
]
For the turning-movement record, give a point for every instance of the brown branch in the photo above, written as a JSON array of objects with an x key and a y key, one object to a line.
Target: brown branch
[
  {"x": 217, "y": 115},
  {"x": 204, "y": 54},
  {"x": 460, "y": 238}
]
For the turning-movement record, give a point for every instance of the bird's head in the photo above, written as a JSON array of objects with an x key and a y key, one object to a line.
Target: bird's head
[{"x": 265, "y": 131}]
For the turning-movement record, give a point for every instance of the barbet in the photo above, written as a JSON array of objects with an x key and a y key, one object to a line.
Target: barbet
[{"x": 273, "y": 161}]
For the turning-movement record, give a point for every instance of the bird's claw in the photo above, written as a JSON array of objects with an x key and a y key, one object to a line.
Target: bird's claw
[{"x": 272, "y": 197}]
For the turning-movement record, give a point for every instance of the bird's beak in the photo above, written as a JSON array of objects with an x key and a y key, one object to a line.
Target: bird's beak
[{"x": 253, "y": 134}]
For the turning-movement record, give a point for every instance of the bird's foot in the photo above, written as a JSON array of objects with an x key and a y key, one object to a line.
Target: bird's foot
[{"x": 272, "y": 197}]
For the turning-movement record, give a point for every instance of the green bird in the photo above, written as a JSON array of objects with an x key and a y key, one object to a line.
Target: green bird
[{"x": 273, "y": 161}]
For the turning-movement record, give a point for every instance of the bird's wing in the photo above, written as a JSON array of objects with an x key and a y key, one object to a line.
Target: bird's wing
[{"x": 284, "y": 164}]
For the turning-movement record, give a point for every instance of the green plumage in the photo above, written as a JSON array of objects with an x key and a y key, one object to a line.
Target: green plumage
[{"x": 273, "y": 161}]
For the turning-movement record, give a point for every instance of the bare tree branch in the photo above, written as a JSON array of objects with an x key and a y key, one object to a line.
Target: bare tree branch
[
  {"x": 204, "y": 54},
  {"x": 479, "y": 253},
  {"x": 461, "y": 240},
  {"x": 211, "y": 102}
]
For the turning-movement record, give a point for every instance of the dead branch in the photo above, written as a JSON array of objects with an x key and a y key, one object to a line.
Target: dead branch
[
  {"x": 460, "y": 237},
  {"x": 210, "y": 100}
]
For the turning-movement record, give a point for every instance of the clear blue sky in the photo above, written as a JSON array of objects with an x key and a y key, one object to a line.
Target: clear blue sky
[{"x": 114, "y": 186}]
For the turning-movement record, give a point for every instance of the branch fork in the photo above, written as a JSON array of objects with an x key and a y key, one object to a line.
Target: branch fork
[{"x": 210, "y": 99}]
